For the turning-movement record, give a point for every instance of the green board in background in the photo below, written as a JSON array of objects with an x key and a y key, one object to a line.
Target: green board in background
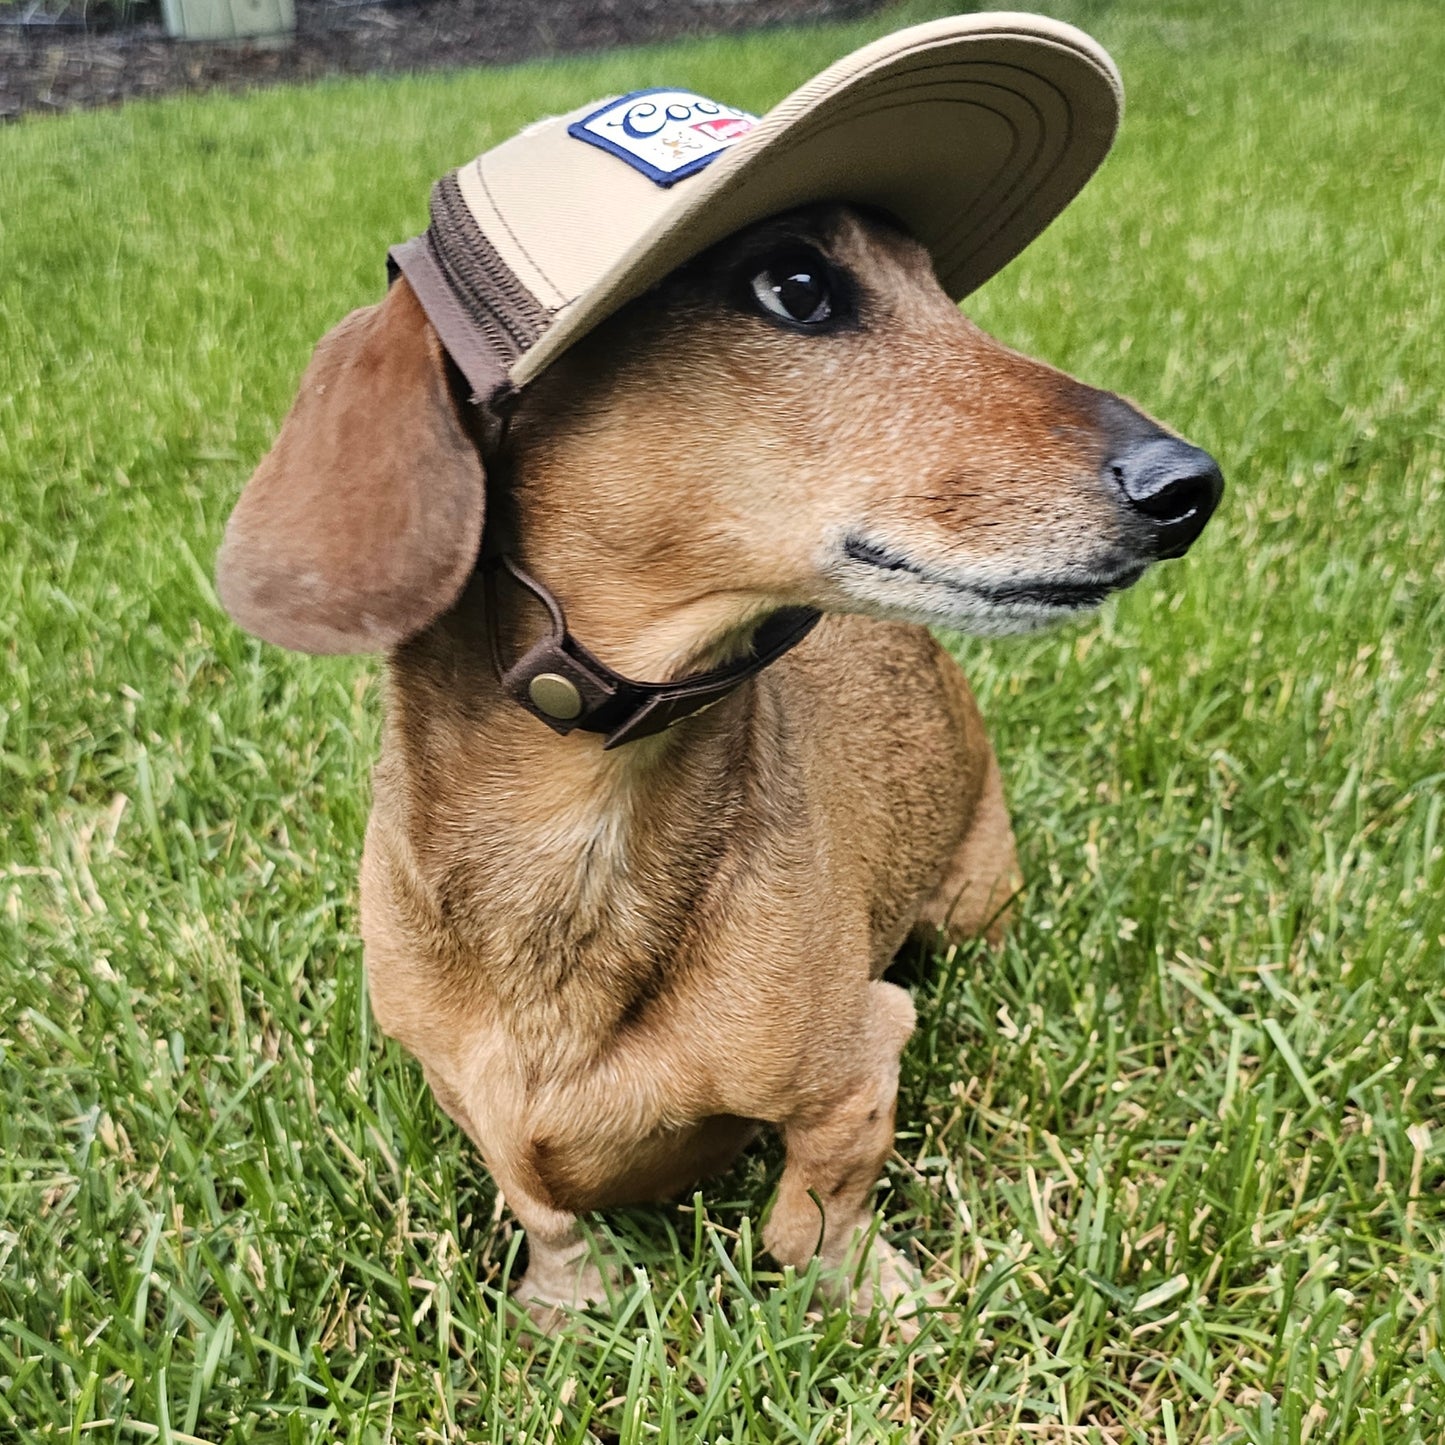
[{"x": 228, "y": 19}]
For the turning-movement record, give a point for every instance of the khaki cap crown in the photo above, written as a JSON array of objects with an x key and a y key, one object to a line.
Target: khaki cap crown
[{"x": 973, "y": 131}]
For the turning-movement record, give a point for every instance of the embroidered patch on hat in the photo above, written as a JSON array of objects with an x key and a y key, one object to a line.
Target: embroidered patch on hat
[{"x": 665, "y": 134}]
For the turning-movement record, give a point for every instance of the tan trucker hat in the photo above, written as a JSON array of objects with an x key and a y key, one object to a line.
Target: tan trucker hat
[{"x": 974, "y": 132}]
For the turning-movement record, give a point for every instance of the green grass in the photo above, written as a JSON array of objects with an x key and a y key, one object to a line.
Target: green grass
[{"x": 1181, "y": 1145}]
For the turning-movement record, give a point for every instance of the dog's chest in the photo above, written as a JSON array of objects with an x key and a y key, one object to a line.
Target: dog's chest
[{"x": 565, "y": 910}]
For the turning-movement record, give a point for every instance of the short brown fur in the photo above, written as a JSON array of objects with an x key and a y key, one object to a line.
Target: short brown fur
[{"x": 613, "y": 966}]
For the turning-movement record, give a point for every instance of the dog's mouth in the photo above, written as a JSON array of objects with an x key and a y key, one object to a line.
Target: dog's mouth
[{"x": 1022, "y": 602}]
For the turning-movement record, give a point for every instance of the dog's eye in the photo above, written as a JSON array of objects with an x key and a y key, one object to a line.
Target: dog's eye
[{"x": 795, "y": 289}]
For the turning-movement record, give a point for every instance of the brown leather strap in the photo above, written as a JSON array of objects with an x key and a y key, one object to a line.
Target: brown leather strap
[
  {"x": 562, "y": 683},
  {"x": 558, "y": 680},
  {"x": 479, "y": 360}
]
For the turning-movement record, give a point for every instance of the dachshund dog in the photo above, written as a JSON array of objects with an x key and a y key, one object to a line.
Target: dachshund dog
[{"x": 615, "y": 963}]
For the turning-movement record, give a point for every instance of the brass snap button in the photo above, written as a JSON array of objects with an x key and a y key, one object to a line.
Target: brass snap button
[{"x": 554, "y": 695}]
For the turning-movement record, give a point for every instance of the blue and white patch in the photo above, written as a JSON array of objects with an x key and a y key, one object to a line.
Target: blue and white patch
[{"x": 665, "y": 134}]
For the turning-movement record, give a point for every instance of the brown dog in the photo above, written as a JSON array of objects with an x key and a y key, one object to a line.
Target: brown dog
[{"x": 613, "y": 964}]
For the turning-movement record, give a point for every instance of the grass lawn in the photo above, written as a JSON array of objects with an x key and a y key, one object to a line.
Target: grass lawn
[{"x": 1181, "y": 1146}]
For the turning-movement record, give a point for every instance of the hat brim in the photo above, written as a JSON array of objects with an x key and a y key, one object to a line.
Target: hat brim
[{"x": 974, "y": 132}]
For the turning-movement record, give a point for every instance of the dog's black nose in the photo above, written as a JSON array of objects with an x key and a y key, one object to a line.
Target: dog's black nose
[{"x": 1176, "y": 486}]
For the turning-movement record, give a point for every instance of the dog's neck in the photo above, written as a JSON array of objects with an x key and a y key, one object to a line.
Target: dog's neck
[
  {"x": 649, "y": 622},
  {"x": 455, "y": 665},
  {"x": 571, "y": 689},
  {"x": 557, "y": 819},
  {"x": 555, "y": 827},
  {"x": 629, "y": 625}
]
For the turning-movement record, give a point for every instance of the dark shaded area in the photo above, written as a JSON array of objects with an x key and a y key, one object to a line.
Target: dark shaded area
[{"x": 66, "y": 57}]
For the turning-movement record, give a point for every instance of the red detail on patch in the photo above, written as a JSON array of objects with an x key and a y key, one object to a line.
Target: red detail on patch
[{"x": 724, "y": 127}]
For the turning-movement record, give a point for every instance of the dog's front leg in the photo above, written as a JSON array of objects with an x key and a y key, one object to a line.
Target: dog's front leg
[
  {"x": 561, "y": 1271},
  {"x": 836, "y": 1149}
]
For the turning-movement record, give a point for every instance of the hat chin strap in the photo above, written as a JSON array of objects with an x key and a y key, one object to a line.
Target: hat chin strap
[
  {"x": 562, "y": 683},
  {"x": 557, "y": 679},
  {"x": 481, "y": 351}
]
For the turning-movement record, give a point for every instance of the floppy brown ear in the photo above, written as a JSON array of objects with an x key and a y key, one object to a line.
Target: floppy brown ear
[{"x": 362, "y": 523}]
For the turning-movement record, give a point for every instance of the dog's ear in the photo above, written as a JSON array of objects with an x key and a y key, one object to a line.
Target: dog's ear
[{"x": 362, "y": 523}]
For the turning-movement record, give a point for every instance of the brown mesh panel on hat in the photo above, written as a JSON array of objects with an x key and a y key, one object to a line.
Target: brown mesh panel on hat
[{"x": 509, "y": 315}]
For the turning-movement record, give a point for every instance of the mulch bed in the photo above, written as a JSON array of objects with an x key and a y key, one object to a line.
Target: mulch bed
[{"x": 53, "y": 63}]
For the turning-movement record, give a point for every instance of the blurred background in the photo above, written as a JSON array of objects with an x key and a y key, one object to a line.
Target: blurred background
[{"x": 63, "y": 54}]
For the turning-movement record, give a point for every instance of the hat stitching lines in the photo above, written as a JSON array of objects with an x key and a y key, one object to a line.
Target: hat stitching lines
[
  {"x": 1001, "y": 209},
  {"x": 1026, "y": 185},
  {"x": 893, "y": 101},
  {"x": 828, "y": 83},
  {"x": 948, "y": 70},
  {"x": 1056, "y": 111},
  {"x": 477, "y": 273},
  {"x": 516, "y": 241},
  {"x": 977, "y": 241}
]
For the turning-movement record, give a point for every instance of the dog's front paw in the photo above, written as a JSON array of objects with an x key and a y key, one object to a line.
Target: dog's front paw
[
  {"x": 889, "y": 1279},
  {"x": 559, "y": 1282},
  {"x": 886, "y": 1279}
]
